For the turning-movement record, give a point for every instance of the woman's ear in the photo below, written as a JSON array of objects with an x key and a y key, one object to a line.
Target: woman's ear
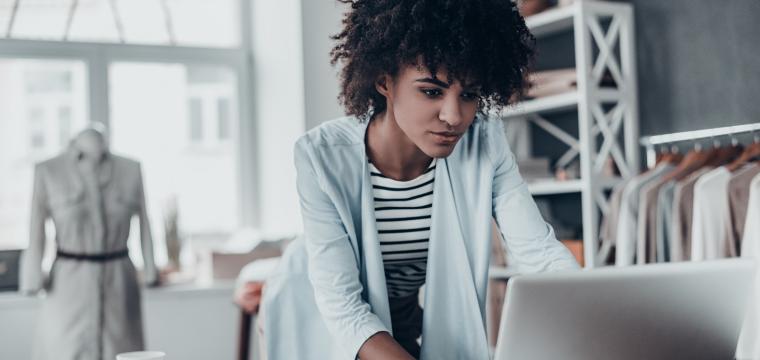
[{"x": 383, "y": 85}]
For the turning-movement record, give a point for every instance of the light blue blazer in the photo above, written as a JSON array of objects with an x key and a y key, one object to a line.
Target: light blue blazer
[{"x": 478, "y": 181}]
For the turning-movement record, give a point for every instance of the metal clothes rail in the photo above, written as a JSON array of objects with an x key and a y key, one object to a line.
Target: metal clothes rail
[{"x": 649, "y": 142}]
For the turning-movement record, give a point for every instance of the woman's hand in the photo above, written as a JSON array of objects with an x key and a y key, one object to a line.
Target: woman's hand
[{"x": 248, "y": 296}]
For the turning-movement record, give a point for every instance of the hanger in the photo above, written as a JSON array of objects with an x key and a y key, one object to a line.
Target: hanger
[
  {"x": 750, "y": 154},
  {"x": 669, "y": 155},
  {"x": 675, "y": 155},
  {"x": 693, "y": 160},
  {"x": 663, "y": 154},
  {"x": 725, "y": 154}
]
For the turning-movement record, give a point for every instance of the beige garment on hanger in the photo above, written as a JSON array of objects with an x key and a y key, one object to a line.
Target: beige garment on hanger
[
  {"x": 738, "y": 199},
  {"x": 749, "y": 339},
  {"x": 647, "y": 226},
  {"x": 709, "y": 224},
  {"x": 625, "y": 250},
  {"x": 683, "y": 209},
  {"x": 609, "y": 226}
]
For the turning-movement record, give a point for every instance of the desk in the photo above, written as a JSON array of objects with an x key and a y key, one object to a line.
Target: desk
[{"x": 186, "y": 321}]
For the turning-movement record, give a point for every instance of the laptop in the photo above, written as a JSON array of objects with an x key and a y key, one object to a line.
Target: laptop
[{"x": 663, "y": 311}]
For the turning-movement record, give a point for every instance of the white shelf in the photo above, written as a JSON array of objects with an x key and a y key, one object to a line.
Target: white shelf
[
  {"x": 555, "y": 103},
  {"x": 549, "y": 104},
  {"x": 501, "y": 272},
  {"x": 550, "y": 187},
  {"x": 553, "y": 187},
  {"x": 597, "y": 108},
  {"x": 551, "y": 21}
]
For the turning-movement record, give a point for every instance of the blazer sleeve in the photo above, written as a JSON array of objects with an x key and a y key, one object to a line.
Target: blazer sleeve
[
  {"x": 32, "y": 278},
  {"x": 332, "y": 268},
  {"x": 529, "y": 241},
  {"x": 146, "y": 238}
]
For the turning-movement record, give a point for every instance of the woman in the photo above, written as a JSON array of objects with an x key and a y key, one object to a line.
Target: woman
[{"x": 401, "y": 192}]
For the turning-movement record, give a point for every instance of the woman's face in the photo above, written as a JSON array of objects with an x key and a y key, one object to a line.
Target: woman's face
[{"x": 431, "y": 112}]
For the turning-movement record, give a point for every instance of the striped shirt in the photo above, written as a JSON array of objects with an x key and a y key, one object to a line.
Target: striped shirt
[{"x": 403, "y": 213}]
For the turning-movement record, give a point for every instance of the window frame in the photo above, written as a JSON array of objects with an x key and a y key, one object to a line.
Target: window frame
[{"x": 99, "y": 56}]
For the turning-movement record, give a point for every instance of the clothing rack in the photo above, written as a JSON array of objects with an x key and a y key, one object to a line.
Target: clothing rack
[{"x": 649, "y": 142}]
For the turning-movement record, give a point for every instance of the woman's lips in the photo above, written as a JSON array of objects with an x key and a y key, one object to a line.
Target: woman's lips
[{"x": 446, "y": 138}]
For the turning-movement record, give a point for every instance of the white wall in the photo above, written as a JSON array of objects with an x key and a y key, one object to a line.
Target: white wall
[
  {"x": 295, "y": 89},
  {"x": 321, "y": 19},
  {"x": 278, "y": 108}
]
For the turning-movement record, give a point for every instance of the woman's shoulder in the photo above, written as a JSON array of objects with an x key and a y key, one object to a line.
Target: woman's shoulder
[
  {"x": 336, "y": 141},
  {"x": 346, "y": 130},
  {"x": 489, "y": 125},
  {"x": 485, "y": 137}
]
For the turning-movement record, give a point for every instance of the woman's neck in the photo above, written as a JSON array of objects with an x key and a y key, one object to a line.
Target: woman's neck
[{"x": 391, "y": 151}]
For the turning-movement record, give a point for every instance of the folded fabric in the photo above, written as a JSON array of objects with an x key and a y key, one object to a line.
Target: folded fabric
[
  {"x": 552, "y": 82},
  {"x": 566, "y": 76}
]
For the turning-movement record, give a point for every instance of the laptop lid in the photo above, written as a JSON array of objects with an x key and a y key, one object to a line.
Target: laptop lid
[{"x": 663, "y": 311}]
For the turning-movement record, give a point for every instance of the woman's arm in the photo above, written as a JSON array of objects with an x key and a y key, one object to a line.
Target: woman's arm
[
  {"x": 529, "y": 241},
  {"x": 332, "y": 266},
  {"x": 383, "y": 346}
]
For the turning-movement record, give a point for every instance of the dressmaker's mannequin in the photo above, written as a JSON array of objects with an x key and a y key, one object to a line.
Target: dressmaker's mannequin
[
  {"x": 91, "y": 142},
  {"x": 92, "y": 305}
]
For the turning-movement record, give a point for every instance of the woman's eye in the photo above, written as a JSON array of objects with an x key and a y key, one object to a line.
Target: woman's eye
[
  {"x": 470, "y": 96},
  {"x": 431, "y": 92}
]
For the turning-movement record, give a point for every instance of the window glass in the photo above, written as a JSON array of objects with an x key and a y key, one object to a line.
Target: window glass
[
  {"x": 162, "y": 115},
  {"x": 43, "y": 104}
]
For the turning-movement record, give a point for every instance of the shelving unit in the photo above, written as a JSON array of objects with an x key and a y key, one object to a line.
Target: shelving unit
[
  {"x": 604, "y": 42},
  {"x": 552, "y": 187}
]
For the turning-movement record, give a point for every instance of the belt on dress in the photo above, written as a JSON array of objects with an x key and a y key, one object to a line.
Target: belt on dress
[{"x": 93, "y": 257}]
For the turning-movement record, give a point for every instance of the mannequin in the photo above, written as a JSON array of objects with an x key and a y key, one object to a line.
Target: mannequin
[
  {"x": 92, "y": 305},
  {"x": 91, "y": 142}
]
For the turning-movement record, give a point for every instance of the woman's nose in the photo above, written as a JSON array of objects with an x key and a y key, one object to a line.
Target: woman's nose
[{"x": 451, "y": 112}]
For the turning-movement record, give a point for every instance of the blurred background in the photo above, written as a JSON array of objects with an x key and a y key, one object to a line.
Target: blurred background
[{"x": 210, "y": 96}]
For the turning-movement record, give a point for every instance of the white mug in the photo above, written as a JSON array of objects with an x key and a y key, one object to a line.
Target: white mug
[{"x": 141, "y": 355}]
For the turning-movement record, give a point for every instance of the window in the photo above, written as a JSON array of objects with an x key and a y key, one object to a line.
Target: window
[
  {"x": 223, "y": 116},
  {"x": 129, "y": 65},
  {"x": 36, "y": 119},
  {"x": 42, "y": 104},
  {"x": 150, "y": 122},
  {"x": 64, "y": 124},
  {"x": 155, "y": 22},
  {"x": 196, "y": 120}
]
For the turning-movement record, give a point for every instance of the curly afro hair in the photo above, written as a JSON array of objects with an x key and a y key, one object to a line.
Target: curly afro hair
[{"x": 480, "y": 41}]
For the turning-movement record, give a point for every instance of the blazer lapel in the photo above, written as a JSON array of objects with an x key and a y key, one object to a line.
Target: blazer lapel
[
  {"x": 451, "y": 311},
  {"x": 72, "y": 171},
  {"x": 106, "y": 170},
  {"x": 376, "y": 291}
]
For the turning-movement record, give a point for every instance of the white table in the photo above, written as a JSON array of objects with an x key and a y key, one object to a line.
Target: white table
[{"x": 185, "y": 321}]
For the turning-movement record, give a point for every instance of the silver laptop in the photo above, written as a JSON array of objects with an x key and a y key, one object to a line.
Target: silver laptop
[{"x": 665, "y": 311}]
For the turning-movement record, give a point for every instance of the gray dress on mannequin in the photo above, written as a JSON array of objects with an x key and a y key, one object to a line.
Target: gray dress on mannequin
[{"x": 92, "y": 305}]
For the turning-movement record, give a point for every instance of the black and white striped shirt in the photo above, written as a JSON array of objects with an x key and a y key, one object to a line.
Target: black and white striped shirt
[{"x": 403, "y": 212}]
